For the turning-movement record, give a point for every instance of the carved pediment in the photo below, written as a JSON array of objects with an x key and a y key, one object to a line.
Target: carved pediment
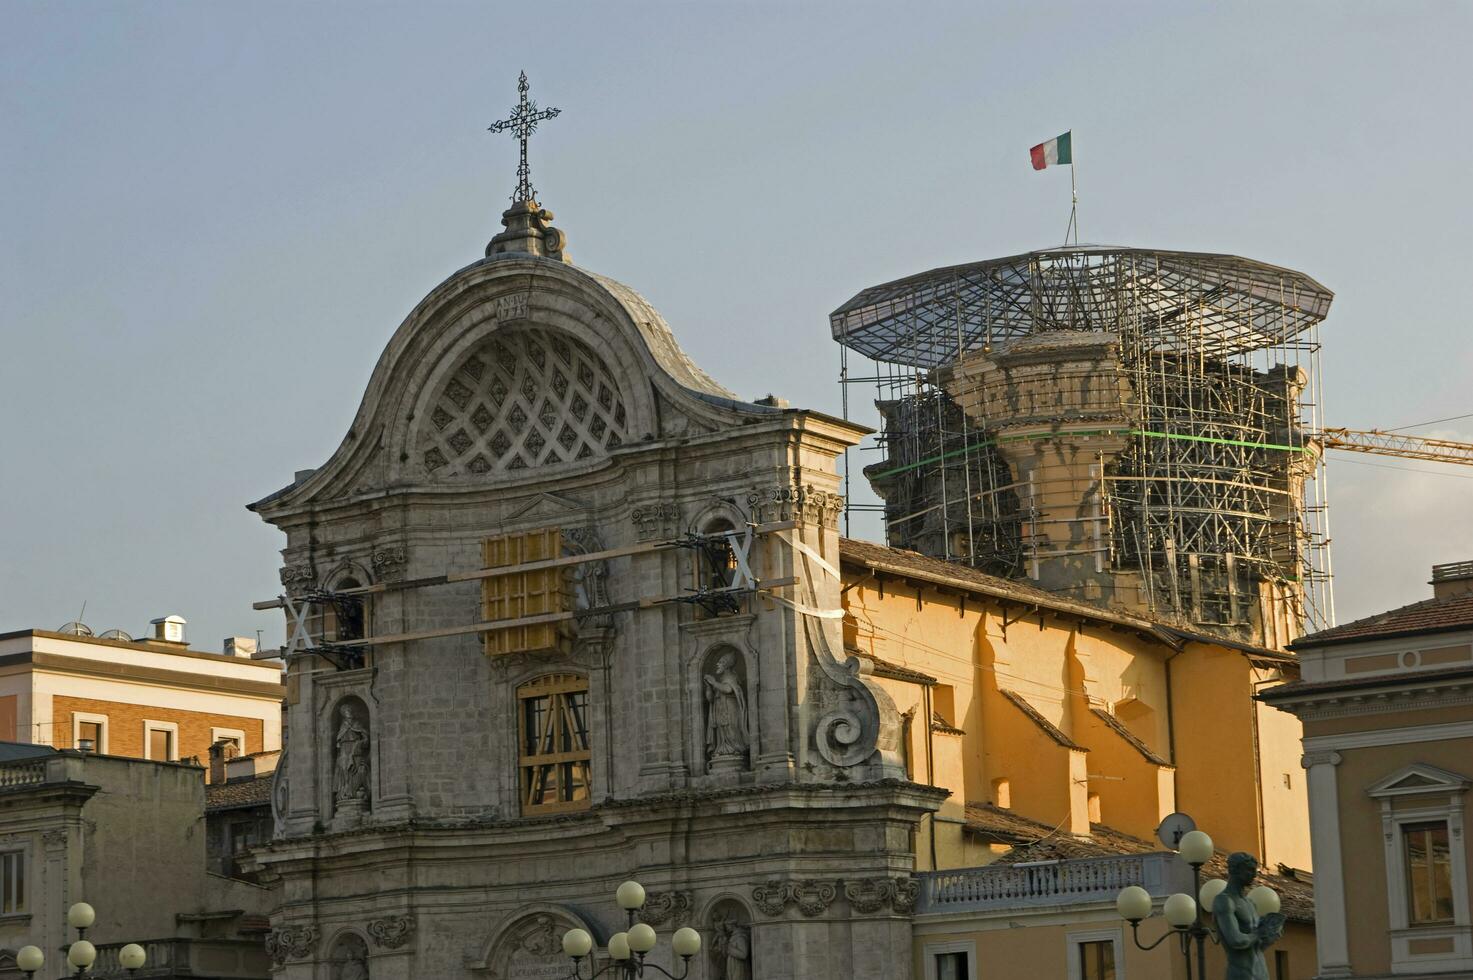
[
  {"x": 1419, "y": 779},
  {"x": 523, "y": 398}
]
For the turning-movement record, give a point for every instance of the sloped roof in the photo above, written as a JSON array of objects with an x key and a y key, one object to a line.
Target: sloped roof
[
  {"x": 1428, "y": 616},
  {"x": 1048, "y": 727},
  {"x": 1031, "y": 841},
  {"x": 238, "y": 793},
  {"x": 1118, "y": 727},
  {"x": 660, "y": 339}
]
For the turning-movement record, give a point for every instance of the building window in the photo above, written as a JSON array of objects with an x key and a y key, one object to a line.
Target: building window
[
  {"x": 1428, "y": 872},
  {"x": 161, "y": 741},
  {"x": 1096, "y": 955},
  {"x": 1281, "y": 965},
  {"x": 951, "y": 966},
  {"x": 231, "y": 736},
  {"x": 1096, "y": 960},
  {"x": 950, "y": 961},
  {"x": 91, "y": 729},
  {"x": 555, "y": 765},
  {"x": 12, "y": 882}
]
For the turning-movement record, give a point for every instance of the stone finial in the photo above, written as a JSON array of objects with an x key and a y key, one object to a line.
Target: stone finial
[{"x": 528, "y": 231}]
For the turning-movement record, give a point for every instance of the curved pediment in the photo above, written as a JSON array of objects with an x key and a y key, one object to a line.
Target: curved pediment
[{"x": 517, "y": 363}]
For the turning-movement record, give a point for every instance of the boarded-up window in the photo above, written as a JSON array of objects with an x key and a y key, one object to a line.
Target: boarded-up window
[
  {"x": 555, "y": 767},
  {"x": 160, "y": 744},
  {"x": 525, "y": 594}
]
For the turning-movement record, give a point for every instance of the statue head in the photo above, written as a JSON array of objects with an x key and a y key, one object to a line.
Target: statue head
[
  {"x": 1242, "y": 867},
  {"x": 725, "y": 662}
]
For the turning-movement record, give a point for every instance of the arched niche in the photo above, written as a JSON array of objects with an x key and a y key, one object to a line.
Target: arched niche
[
  {"x": 727, "y": 733},
  {"x": 350, "y": 757},
  {"x": 529, "y": 943},
  {"x": 727, "y": 941},
  {"x": 347, "y": 958}
]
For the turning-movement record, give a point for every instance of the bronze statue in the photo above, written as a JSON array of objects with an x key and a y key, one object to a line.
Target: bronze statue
[{"x": 1243, "y": 933}]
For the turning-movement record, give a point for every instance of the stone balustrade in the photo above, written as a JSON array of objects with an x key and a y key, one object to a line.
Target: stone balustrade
[{"x": 1050, "y": 883}]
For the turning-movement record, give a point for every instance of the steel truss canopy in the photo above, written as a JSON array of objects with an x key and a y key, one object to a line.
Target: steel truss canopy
[{"x": 1220, "y": 305}]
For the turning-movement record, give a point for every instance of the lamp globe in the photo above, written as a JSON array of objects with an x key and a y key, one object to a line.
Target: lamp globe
[
  {"x": 1264, "y": 899},
  {"x": 630, "y": 896},
  {"x": 29, "y": 959},
  {"x": 1195, "y": 847},
  {"x": 1180, "y": 910},
  {"x": 131, "y": 956},
  {"x": 81, "y": 954},
  {"x": 577, "y": 943},
  {"x": 619, "y": 946},
  {"x": 642, "y": 938},
  {"x": 81, "y": 916},
  {"x": 686, "y": 942},
  {"x": 1133, "y": 903},
  {"x": 1211, "y": 888}
]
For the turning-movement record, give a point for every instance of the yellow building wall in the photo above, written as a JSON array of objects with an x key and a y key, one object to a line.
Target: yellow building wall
[
  {"x": 1017, "y": 948},
  {"x": 1231, "y": 754}
]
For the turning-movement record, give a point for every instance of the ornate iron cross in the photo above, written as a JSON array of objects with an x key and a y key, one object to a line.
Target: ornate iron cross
[{"x": 523, "y": 123}]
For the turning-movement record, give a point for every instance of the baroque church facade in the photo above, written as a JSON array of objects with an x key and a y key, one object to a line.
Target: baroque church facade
[{"x": 453, "y": 799}]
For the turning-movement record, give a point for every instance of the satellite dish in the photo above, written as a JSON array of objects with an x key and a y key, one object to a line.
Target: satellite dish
[
  {"x": 116, "y": 635},
  {"x": 76, "y": 628},
  {"x": 1174, "y": 828}
]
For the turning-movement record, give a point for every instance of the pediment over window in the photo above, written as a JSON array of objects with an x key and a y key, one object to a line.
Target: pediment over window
[
  {"x": 522, "y": 399},
  {"x": 1419, "y": 779}
]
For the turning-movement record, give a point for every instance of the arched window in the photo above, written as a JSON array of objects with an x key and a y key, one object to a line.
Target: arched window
[
  {"x": 555, "y": 761},
  {"x": 718, "y": 569}
]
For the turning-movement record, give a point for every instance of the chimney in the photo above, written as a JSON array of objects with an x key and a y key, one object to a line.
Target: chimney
[
  {"x": 1452, "y": 579},
  {"x": 240, "y": 646},
  {"x": 220, "y": 753},
  {"x": 167, "y": 629}
]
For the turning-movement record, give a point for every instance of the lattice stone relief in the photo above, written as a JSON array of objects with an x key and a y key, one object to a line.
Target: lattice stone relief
[{"x": 523, "y": 399}]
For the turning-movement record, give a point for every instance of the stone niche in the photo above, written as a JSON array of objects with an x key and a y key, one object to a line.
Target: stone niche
[
  {"x": 530, "y": 946},
  {"x": 729, "y": 949}
]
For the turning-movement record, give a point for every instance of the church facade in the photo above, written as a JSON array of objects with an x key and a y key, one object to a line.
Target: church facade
[{"x": 672, "y": 701}]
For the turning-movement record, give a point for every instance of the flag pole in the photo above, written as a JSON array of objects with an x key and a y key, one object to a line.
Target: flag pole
[{"x": 1073, "y": 194}]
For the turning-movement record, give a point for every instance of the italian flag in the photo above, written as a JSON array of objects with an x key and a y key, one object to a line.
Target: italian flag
[{"x": 1055, "y": 151}]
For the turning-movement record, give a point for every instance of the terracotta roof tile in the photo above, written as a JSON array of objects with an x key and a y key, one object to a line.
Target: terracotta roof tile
[
  {"x": 1427, "y": 616},
  {"x": 1118, "y": 727},
  {"x": 1034, "y": 841},
  {"x": 1049, "y": 728},
  {"x": 238, "y": 793}
]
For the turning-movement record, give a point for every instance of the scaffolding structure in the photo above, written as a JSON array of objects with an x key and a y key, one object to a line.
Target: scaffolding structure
[{"x": 1138, "y": 428}]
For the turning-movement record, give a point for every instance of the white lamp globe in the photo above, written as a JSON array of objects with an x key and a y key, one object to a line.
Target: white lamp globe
[
  {"x": 577, "y": 943},
  {"x": 686, "y": 942},
  {"x": 1264, "y": 899},
  {"x": 1210, "y": 890},
  {"x": 29, "y": 959},
  {"x": 619, "y": 946},
  {"x": 1133, "y": 903},
  {"x": 81, "y": 916},
  {"x": 1180, "y": 910},
  {"x": 131, "y": 956},
  {"x": 1195, "y": 847},
  {"x": 81, "y": 954},
  {"x": 642, "y": 938},
  {"x": 630, "y": 896}
]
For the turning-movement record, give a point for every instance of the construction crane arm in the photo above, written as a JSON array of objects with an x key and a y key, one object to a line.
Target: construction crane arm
[{"x": 1394, "y": 444}]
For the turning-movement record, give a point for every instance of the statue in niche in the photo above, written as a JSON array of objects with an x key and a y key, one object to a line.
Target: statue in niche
[
  {"x": 1245, "y": 935},
  {"x": 726, "y": 713},
  {"x": 731, "y": 948},
  {"x": 351, "y": 960},
  {"x": 350, "y": 775}
]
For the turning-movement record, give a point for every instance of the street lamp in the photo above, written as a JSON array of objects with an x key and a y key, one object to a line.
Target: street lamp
[
  {"x": 1181, "y": 911},
  {"x": 81, "y": 954},
  {"x": 627, "y": 949}
]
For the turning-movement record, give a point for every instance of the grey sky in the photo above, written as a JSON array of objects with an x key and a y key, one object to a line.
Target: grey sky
[{"x": 213, "y": 216}]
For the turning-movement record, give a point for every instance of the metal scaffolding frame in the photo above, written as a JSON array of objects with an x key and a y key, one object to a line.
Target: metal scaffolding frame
[{"x": 1216, "y": 502}]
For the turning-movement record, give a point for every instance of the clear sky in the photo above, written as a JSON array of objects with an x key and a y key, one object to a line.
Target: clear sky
[{"x": 213, "y": 216}]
